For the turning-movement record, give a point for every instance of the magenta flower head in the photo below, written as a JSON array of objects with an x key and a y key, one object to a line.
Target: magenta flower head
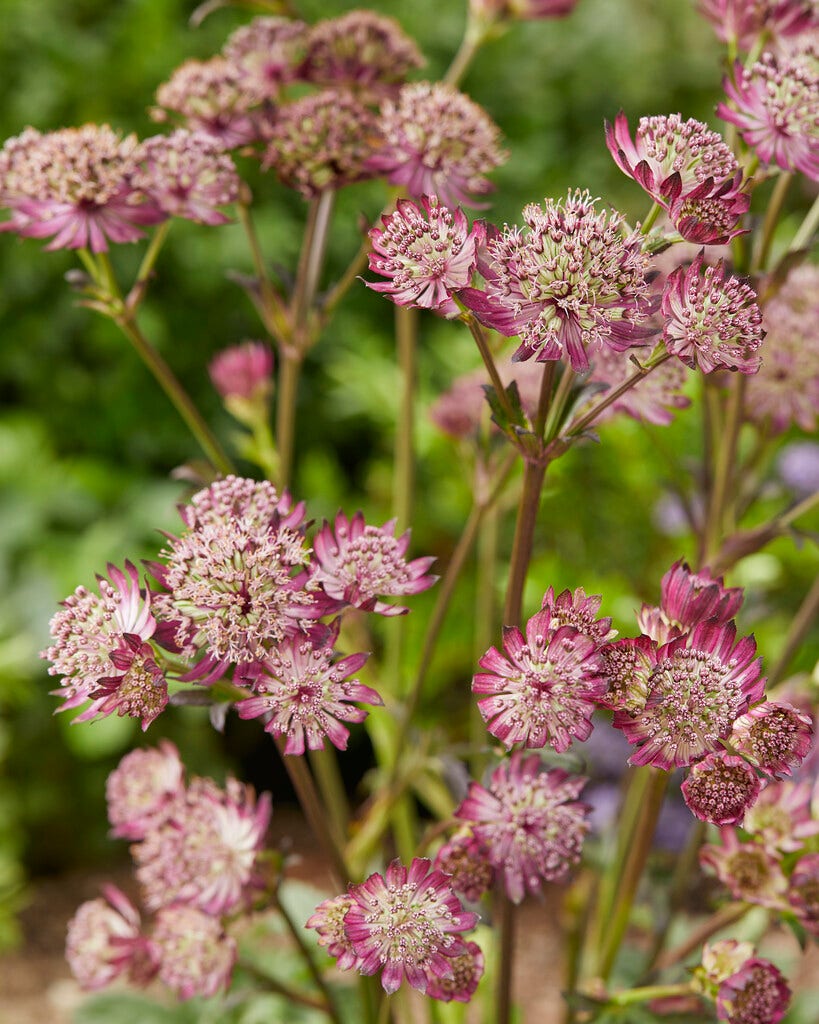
[
  {"x": 529, "y": 821},
  {"x": 465, "y": 860},
  {"x": 543, "y": 688},
  {"x": 320, "y": 142},
  {"x": 774, "y": 736},
  {"x": 748, "y": 870},
  {"x": 651, "y": 400},
  {"x": 700, "y": 684},
  {"x": 688, "y": 598},
  {"x": 436, "y": 141},
  {"x": 567, "y": 284},
  {"x": 266, "y": 54},
  {"x": 777, "y": 112},
  {"x": 467, "y": 971},
  {"x": 781, "y": 817},
  {"x": 196, "y": 957},
  {"x": 744, "y": 21},
  {"x": 74, "y": 186},
  {"x": 243, "y": 371},
  {"x": 357, "y": 563},
  {"x": 142, "y": 789},
  {"x": 138, "y": 689},
  {"x": 187, "y": 175},
  {"x": 756, "y": 994},
  {"x": 362, "y": 51},
  {"x": 627, "y": 667},
  {"x": 408, "y": 924},
  {"x": 426, "y": 252},
  {"x": 578, "y": 610},
  {"x": 803, "y": 894},
  {"x": 328, "y": 921},
  {"x": 720, "y": 789},
  {"x": 104, "y": 942},
  {"x": 711, "y": 322}
]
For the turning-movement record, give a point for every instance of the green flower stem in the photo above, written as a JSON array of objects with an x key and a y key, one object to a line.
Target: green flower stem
[
  {"x": 266, "y": 983},
  {"x": 286, "y": 396},
  {"x": 533, "y": 476},
  {"x": 557, "y": 407},
  {"x": 311, "y": 261},
  {"x": 356, "y": 266},
  {"x": 406, "y": 339},
  {"x": 725, "y": 916},
  {"x": 717, "y": 512},
  {"x": 146, "y": 267},
  {"x": 545, "y": 398},
  {"x": 488, "y": 361},
  {"x": 505, "y": 914},
  {"x": 324, "y": 764},
  {"x": 271, "y": 307},
  {"x": 644, "y": 995},
  {"x": 651, "y": 217},
  {"x": 800, "y": 624},
  {"x": 772, "y": 215},
  {"x": 473, "y": 38},
  {"x": 802, "y": 238},
  {"x": 618, "y": 392},
  {"x": 486, "y": 613}
]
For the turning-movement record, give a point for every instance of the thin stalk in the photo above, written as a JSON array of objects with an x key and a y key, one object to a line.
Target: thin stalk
[
  {"x": 406, "y": 338},
  {"x": 533, "y": 476},
  {"x": 651, "y": 217},
  {"x": 307, "y": 956},
  {"x": 488, "y": 361},
  {"x": 505, "y": 910},
  {"x": 345, "y": 282},
  {"x": 644, "y": 995},
  {"x": 772, "y": 213},
  {"x": 324, "y": 764},
  {"x": 724, "y": 917},
  {"x": 618, "y": 392},
  {"x": 545, "y": 397},
  {"x": 799, "y": 627},
  {"x": 802, "y": 238},
  {"x": 292, "y": 995},
  {"x": 724, "y": 470},
  {"x": 558, "y": 404},
  {"x": 485, "y": 617},
  {"x": 146, "y": 267},
  {"x": 311, "y": 261},
  {"x": 678, "y": 889},
  {"x": 470, "y": 44},
  {"x": 286, "y": 396},
  {"x": 272, "y": 308}
]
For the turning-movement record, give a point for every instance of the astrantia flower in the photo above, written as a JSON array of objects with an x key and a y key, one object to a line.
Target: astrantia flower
[
  {"x": 803, "y": 894},
  {"x": 720, "y": 789},
  {"x": 651, "y": 400},
  {"x": 320, "y": 142},
  {"x": 711, "y": 322},
  {"x": 328, "y": 921},
  {"x": 580, "y": 611},
  {"x": 436, "y": 141},
  {"x": 426, "y": 252},
  {"x": 187, "y": 175},
  {"x": 367, "y": 52},
  {"x": 745, "y": 20},
  {"x": 266, "y": 53},
  {"x": 756, "y": 994},
  {"x": 467, "y": 971},
  {"x": 688, "y": 598},
  {"x": 104, "y": 942},
  {"x": 777, "y": 112},
  {"x": 781, "y": 817},
  {"x": 408, "y": 924},
  {"x": 358, "y": 562},
  {"x": 464, "y": 858},
  {"x": 786, "y": 388},
  {"x": 701, "y": 683},
  {"x": 529, "y": 821},
  {"x": 139, "y": 688},
  {"x": 749, "y": 871},
  {"x": 719, "y": 961},
  {"x": 243, "y": 371},
  {"x": 74, "y": 186},
  {"x": 204, "y": 850},
  {"x": 567, "y": 284},
  {"x": 543, "y": 688},
  {"x": 627, "y": 667},
  {"x": 141, "y": 790},
  {"x": 306, "y": 696},
  {"x": 774, "y": 736},
  {"x": 196, "y": 958},
  {"x": 255, "y": 502}
]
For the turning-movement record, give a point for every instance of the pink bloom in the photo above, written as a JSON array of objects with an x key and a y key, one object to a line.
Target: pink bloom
[
  {"x": 529, "y": 821},
  {"x": 408, "y": 923},
  {"x": 712, "y": 322},
  {"x": 745, "y": 20},
  {"x": 265, "y": 54},
  {"x": 777, "y": 112},
  {"x": 142, "y": 788},
  {"x": 701, "y": 683},
  {"x": 467, "y": 971},
  {"x": 688, "y": 598},
  {"x": 750, "y": 872},
  {"x": 436, "y": 141},
  {"x": 756, "y": 994},
  {"x": 104, "y": 941},
  {"x": 204, "y": 850},
  {"x": 566, "y": 285},
  {"x": 720, "y": 789},
  {"x": 627, "y": 667},
  {"x": 803, "y": 894},
  {"x": 580, "y": 612},
  {"x": 328, "y": 921},
  {"x": 720, "y": 960},
  {"x": 234, "y": 497},
  {"x": 358, "y": 562},
  {"x": 774, "y": 736},
  {"x": 465, "y": 859},
  {"x": 781, "y": 817},
  {"x": 426, "y": 253},
  {"x": 650, "y": 400},
  {"x": 195, "y": 956},
  {"x": 139, "y": 689},
  {"x": 243, "y": 371},
  {"x": 544, "y": 687}
]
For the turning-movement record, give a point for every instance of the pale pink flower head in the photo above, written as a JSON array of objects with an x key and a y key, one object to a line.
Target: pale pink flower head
[
  {"x": 748, "y": 870},
  {"x": 90, "y": 629},
  {"x": 777, "y": 111},
  {"x": 76, "y": 187},
  {"x": 357, "y": 563},
  {"x": 530, "y": 822},
  {"x": 426, "y": 252},
  {"x": 320, "y": 142},
  {"x": 139, "y": 689},
  {"x": 436, "y": 141},
  {"x": 104, "y": 941},
  {"x": 687, "y": 598},
  {"x": 567, "y": 284},
  {"x": 196, "y": 957},
  {"x": 328, "y": 921},
  {"x": 803, "y": 894},
  {"x": 720, "y": 789},
  {"x": 266, "y": 53},
  {"x": 187, "y": 175},
  {"x": 466, "y": 971},
  {"x": 464, "y": 858},
  {"x": 204, "y": 851},
  {"x": 719, "y": 961},
  {"x": 781, "y": 817},
  {"x": 142, "y": 789},
  {"x": 774, "y": 736},
  {"x": 243, "y": 371},
  {"x": 651, "y": 400},
  {"x": 700, "y": 685},
  {"x": 627, "y": 667},
  {"x": 235, "y": 497},
  {"x": 543, "y": 688},
  {"x": 305, "y": 695},
  {"x": 756, "y": 994},
  {"x": 407, "y": 923},
  {"x": 362, "y": 50},
  {"x": 744, "y": 21},
  {"x": 785, "y": 391},
  {"x": 209, "y": 96},
  {"x": 712, "y": 321}
]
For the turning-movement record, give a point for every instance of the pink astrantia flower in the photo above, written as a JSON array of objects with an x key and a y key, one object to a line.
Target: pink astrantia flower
[
  {"x": 774, "y": 736},
  {"x": 711, "y": 322},
  {"x": 627, "y": 667},
  {"x": 328, "y": 921},
  {"x": 204, "y": 850},
  {"x": 196, "y": 957},
  {"x": 464, "y": 858},
  {"x": 580, "y": 611},
  {"x": 781, "y": 817},
  {"x": 688, "y": 598},
  {"x": 651, "y": 400},
  {"x": 777, "y": 112},
  {"x": 467, "y": 971},
  {"x": 426, "y": 252},
  {"x": 756, "y": 994},
  {"x": 243, "y": 371},
  {"x": 104, "y": 941},
  {"x": 266, "y": 54},
  {"x": 565, "y": 285},
  {"x": 306, "y": 695},
  {"x": 701, "y": 683},
  {"x": 749, "y": 871},
  {"x": 139, "y": 689},
  {"x": 743, "y": 21},
  {"x": 256, "y": 501},
  {"x": 543, "y": 688},
  {"x": 76, "y": 187},
  {"x": 358, "y": 562},
  {"x": 436, "y": 141},
  {"x": 530, "y": 822},
  {"x": 407, "y": 923},
  {"x": 803, "y": 894},
  {"x": 720, "y": 789},
  {"x": 141, "y": 790}
]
